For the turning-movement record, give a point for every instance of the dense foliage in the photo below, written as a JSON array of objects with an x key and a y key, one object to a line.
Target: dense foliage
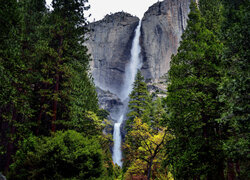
[
  {"x": 235, "y": 87},
  {"x": 140, "y": 99},
  {"x": 192, "y": 102},
  {"x": 146, "y": 137},
  {"x": 45, "y": 90},
  {"x": 205, "y": 114},
  {"x": 208, "y": 94},
  {"x": 65, "y": 155}
]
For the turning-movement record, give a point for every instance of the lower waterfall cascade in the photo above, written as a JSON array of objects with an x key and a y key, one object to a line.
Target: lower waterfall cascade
[{"x": 131, "y": 69}]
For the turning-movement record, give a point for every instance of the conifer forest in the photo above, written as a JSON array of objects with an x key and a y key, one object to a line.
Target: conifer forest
[{"x": 51, "y": 124}]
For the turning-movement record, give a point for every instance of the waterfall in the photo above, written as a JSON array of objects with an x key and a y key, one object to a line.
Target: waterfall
[{"x": 134, "y": 64}]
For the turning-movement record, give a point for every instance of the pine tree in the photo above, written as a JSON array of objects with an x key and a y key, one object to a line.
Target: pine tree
[
  {"x": 140, "y": 101},
  {"x": 235, "y": 88},
  {"x": 19, "y": 37},
  {"x": 145, "y": 135},
  {"x": 9, "y": 50},
  {"x": 66, "y": 89},
  {"x": 139, "y": 106},
  {"x": 192, "y": 104},
  {"x": 212, "y": 12},
  {"x": 44, "y": 73}
]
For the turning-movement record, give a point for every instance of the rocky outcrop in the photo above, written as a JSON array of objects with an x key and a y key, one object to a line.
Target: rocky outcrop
[
  {"x": 2, "y": 177},
  {"x": 109, "y": 44},
  {"x": 162, "y": 27},
  {"x": 158, "y": 89},
  {"x": 108, "y": 101}
]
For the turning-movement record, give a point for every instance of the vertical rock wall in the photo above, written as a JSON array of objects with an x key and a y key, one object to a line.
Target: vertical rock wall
[
  {"x": 162, "y": 27},
  {"x": 110, "y": 41},
  {"x": 109, "y": 44}
]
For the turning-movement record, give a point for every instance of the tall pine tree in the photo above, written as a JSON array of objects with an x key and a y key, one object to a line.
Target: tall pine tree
[
  {"x": 235, "y": 88},
  {"x": 66, "y": 89},
  {"x": 192, "y": 104},
  {"x": 140, "y": 100}
]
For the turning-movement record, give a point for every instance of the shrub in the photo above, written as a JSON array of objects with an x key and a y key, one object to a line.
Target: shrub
[{"x": 65, "y": 155}]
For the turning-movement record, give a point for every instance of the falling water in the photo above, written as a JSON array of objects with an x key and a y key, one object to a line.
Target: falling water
[{"x": 130, "y": 73}]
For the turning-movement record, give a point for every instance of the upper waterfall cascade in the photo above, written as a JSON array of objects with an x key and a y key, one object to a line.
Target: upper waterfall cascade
[{"x": 131, "y": 69}]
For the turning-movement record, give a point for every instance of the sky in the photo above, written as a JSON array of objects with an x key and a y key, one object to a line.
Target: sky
[{"x": 99, "y": 8}]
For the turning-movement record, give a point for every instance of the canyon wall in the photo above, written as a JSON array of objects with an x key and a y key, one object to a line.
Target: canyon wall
[
  {"x": 110, "y": 41},
  {"x": 162, "y": 27},
  {"x": 109, "y": 44}
]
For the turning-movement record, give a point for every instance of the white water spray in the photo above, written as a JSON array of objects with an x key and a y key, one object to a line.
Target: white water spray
[{"x": 130, "y": 73}]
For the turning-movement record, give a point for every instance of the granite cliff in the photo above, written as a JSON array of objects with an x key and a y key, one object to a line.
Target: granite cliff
[
  {"x": 110, "y": 41},
  {"x": 162, "y": 27},
  {"x": 109, "y": 44}
]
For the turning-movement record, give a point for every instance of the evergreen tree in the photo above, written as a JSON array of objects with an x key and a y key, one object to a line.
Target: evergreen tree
[
  {"x": 139, "y": 106},
  {"x": 235, "y": 88},
  {"x": 66, "y": 89},
  {"x": 15, "y": 83},
  {"x": 140, "y": 101},
  {"x": 192, "y": 105},
  {"x": 145, "y": 135},
  {"x": 9, "y": 19},
  {"x": 44, "y": 73},
  {"x": 32, "y": 13},
  {"x": 212, "y": 12}
]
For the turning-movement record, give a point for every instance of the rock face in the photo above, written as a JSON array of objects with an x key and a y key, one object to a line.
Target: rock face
[
  {"x": 2, "y": 177},
  {"x": 108, "y": 101},
  {"x": 109, "y": 44},
  {"x": 162, "y": 27}
]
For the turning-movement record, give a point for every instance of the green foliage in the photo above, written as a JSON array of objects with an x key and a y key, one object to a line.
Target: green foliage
[
  {"x": 212, "y": 12},
  {"x": 83, "y": 96},
  {"x": 145, "y": 138},
  {"x": 192, "y": 104},
  {"x": 139, "y": 104},
  {"x": 145, "y": 158},
  {"x": 45, "y": 85},
  {"x": 88, "y": 124},
  {"x": 15, "y": 104},
  {"x": 65, "y": 155},
  {"x": 234, "y": 88}
]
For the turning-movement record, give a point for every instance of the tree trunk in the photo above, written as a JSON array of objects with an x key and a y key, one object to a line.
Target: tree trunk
[
  {"x": 59, "y": 51},
  {"x": 10, "y": 146},
  {"x": 230, "y": 170},
  {"x": 53, "y": 125},
  {"x": 221, "y": 171},
  {"x": 149, "y": 168},
  {"x": 39, "y": 120},
  {"x": 238, "y": 168}
]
